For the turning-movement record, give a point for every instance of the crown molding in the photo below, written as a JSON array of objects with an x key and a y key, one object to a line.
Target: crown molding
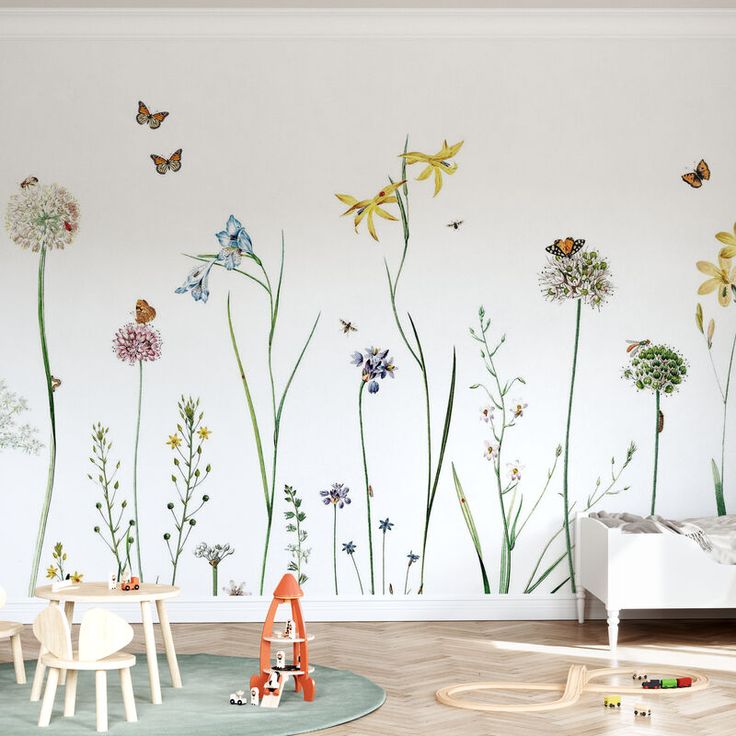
[{"x": 204, "y": 23}]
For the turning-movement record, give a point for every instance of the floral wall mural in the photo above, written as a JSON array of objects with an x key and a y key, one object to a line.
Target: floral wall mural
[{"x": 292, "y": 384}]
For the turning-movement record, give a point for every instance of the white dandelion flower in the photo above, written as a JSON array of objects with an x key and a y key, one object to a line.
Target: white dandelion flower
[{"x": 42, "y": 216}]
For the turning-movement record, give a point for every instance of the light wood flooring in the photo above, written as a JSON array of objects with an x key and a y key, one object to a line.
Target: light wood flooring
[{"x": 412, "y": 660}]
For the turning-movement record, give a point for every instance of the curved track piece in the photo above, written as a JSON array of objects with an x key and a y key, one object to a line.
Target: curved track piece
[{"x": 578, "y": 682}]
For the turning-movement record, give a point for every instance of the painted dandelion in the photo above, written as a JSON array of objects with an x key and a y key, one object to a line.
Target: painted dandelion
[
  {"x": 574, "y": 273},
  {"x": 661, "y": 370},
  {"x": 137, "y": 342},
  {"x": 43, "y": 218},
  {"x": 14, "y": 436}
]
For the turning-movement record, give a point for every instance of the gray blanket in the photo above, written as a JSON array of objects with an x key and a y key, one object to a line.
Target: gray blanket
[{"x": 716, "y": 535}]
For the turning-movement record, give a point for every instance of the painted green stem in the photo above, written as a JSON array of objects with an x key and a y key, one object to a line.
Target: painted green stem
[
  {"x": 334, "y": 545},
  {"x": 357, "y": 572},
  {"x": 214, "y": 579},
  {"x": 656, "y": 450},
  {"x": 135, "y": 471},
  {"x": 566, "y": 457},
  {"x": 367, "y": 484},
  {"x": 257, "y": 437},
  {"x": 383, "y": 564},
  {"x": 52, "y": 418},
  {"x": 720, "y": 499}
]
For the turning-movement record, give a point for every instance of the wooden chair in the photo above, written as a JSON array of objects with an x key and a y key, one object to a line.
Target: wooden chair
[
  {"x": 101, "y": 637},
  {"x": 11, "y": 630}
]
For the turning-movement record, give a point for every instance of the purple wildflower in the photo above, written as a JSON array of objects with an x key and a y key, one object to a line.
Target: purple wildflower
[
  {"x": 136, "y": 342},
  {"x": 337, "y": 495},
  {"x": 374, "y": 363}
]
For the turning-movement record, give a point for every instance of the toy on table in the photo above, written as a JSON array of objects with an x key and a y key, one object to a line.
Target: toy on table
[
  {"x": 238, "y": 698},
  {"x": 639, "y": 676},
  {"x": 612, "y": 701},
  {"x": 133, "y": 584},
  {"x": 112, "y": 581},
  {"x": 254, "y": 696},
  {"x": 641, "y": 710},
  {"x": 271, "y": 680},
  {"x": 669, "y": 683}
]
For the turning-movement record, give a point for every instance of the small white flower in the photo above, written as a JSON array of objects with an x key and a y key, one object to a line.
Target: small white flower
[
  {"x": 491, "y": 451},
  {"x": 515, "y": 469},
  {"x": 517, "y": 408},
  {"x": 486, "y": 413}
]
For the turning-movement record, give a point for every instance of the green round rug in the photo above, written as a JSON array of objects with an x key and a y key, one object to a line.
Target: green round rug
[{"x": 202, "y": 706}]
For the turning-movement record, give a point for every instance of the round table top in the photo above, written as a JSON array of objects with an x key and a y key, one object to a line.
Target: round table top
[{"x": 99, "y": 593}]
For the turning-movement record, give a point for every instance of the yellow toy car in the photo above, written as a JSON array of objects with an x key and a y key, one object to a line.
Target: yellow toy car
[{"x": 612, "y": 701}]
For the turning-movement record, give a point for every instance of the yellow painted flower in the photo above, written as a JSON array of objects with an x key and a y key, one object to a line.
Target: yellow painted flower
[
  {"x": 729, "y": 243},
  {"x": 174, "y": 441},
  {"x": 204, "y": 433},
  {"x": 722, "y": 277},
  {"x": 76, "y": 577},
  {"x": 51, "y": 572},
  {"x": 369, "y": 207},
  {"x": 438, "y": 163}
]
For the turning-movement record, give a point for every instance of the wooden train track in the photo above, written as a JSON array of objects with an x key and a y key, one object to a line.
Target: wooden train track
[{"x": 579, "y": 681}]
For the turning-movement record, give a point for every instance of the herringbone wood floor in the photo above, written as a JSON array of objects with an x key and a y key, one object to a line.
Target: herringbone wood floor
[{"x": 412, "y": 660}]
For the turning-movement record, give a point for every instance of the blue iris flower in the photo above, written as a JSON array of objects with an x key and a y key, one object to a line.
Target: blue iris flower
[
  {"x": 412, "y": 558},
  {"x": 234, "y": 242},
  {"x": 196, "y": 282},
  {"x": 385, "y": 525}
]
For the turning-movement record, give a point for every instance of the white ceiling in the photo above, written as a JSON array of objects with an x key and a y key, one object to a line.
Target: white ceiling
[{"x": 448, "y": 4}]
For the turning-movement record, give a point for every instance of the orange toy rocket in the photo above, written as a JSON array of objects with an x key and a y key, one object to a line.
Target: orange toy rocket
[{"x": 287, "y": 591}]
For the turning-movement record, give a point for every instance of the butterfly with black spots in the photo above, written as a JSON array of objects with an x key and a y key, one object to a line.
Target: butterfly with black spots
[
  {"x": 173, "y": 163},
  {"x": 565, "y": 248},
  {"x": 146, "y": 117},
  {"x": 696, "y": 178}
]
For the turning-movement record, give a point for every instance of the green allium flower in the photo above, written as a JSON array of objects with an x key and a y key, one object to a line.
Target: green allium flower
[
  {"x": 585, "y": 276},
  {"x": 657, "y": 368}
]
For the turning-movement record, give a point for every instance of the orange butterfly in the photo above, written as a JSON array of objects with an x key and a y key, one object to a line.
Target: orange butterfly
[
  {"x": 144, "y": 312},
  {"x": 173, "y": 163},
  {"x": 696, "y": 178},
  {"x": 144, "y": 117},
  {"x": 565, "y": 248}
]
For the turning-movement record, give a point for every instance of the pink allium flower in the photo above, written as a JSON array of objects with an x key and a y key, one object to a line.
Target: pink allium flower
[{"x": 134, "y": 342}]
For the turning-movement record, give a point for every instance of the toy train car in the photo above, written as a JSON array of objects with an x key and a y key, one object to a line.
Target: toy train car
[
  {"x": 642, "y": 710},
  {"x": 612, "y": 701},
  {"x": 133, "y": 584},
  {"x": 668, "y": 683}
]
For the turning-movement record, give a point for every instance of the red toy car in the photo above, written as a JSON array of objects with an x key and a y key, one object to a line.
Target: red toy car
[{"x": 132, "y": 584}]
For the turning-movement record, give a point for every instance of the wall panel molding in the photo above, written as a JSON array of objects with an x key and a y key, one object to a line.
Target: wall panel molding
[
  {"x": 78, "y": 23},
  {"x": 252, "y": 609}
]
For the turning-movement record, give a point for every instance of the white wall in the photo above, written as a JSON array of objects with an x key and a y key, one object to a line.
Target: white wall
[{"x": 561, "y": 137}]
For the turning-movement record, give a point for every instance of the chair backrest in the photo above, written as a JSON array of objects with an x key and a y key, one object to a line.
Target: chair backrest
[
  {"x": 3, "y": 596},
  {"x": 102, "y": 633},
  {"x": 52, "y": 629}
]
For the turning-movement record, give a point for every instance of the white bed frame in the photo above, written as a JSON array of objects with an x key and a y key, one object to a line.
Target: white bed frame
[{"x": 644, "y": 571}]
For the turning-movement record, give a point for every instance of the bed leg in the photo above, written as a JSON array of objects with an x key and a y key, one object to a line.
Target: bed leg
[
  {"x": 580, "y": 595},
  {"x": 613, "y": 621}
]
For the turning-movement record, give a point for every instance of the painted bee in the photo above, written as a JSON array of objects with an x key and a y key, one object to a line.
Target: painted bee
[{"x": 347, "y": 327}]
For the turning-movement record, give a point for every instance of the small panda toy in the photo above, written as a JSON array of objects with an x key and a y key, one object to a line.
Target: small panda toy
[{"x": 254, "y": 696}]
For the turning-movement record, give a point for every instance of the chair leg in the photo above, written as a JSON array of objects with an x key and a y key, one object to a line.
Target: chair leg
[
  {"x": 70, "y": 693},
  {"x": 38, "y": 676},
  {"x": 101, "y": 694},
  {"x": 20, "y": 668},
  {"x": 126, "y": 685},
  {"x": 48, "y": 697}
]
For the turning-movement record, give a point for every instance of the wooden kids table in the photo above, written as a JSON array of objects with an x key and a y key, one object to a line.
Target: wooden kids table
[{"x": 100, "y": 594}]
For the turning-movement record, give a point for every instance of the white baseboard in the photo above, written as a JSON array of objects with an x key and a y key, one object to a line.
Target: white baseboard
[{"x": 511, "y": 607}]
